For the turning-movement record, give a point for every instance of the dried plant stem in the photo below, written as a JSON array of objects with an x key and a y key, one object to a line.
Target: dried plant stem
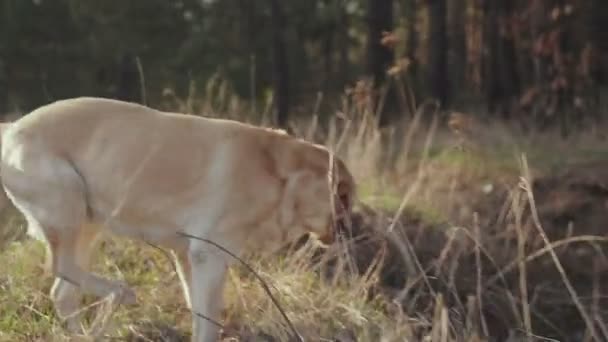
[
  {"x": 525, "y": 184},
  {"x": 521, "y": 254},
  {"x": 484, "y": 325},
  {"x": 596, "y": 298},
  {"x": 142, "y": 80}
]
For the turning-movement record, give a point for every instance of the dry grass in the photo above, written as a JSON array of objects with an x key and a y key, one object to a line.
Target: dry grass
[{"x": 447, "y": 245}]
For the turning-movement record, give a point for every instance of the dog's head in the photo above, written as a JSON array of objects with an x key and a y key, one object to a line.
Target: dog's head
[{"x": 318, "y": 195}]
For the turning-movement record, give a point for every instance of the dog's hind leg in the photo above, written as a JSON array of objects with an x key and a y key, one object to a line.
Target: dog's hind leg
[
  {"x": 51, "y": 194},
  {"x": 64, "y": 245},
  {"x": 65, "y": 295}
]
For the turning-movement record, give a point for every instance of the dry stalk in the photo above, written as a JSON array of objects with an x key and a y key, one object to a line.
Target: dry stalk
[
  {"x": 596, "y": 297},
  {"x": 142, "y": 80},
  {"x": 419, "y": 176},
  {"x": 439, "y": 267},
  {"x": 410, "y": 258},
  {"x": 518, "y": 204},
  {"x": 483, "y": 250},
  {"x": 471, "y": 316},
  {"x": 312, "y": 128},
  {"x": 525, "y": 184},
  {"x": 408, "y": 138},
  {"x": 484, "y": 325},
  {"x": 101, "y": 323},
  {"x": 436, "y": 328},
  {"x": 445, "y": 325}
]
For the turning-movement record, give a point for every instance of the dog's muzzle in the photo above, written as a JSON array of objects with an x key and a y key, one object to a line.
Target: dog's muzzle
[{"x": 337, "y": 227}]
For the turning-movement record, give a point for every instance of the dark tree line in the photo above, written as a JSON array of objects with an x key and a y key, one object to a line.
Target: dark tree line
[{"x": 541, "y": 60}]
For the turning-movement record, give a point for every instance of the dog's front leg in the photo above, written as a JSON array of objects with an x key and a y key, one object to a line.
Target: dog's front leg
[{"x": 208, "y": 267}]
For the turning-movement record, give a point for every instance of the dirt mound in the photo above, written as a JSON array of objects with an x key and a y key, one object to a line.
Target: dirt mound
[
  {"x": 576, "y": 196},
  {"x": 417, "y": 260}
]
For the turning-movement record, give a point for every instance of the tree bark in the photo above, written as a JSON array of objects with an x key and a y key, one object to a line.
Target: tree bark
[{"x": 280, "y": 65}]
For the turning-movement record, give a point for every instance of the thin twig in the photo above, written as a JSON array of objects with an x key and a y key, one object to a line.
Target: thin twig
[
  {"x": 210, "y": 320},
  {"x": 165, "y": 253}
]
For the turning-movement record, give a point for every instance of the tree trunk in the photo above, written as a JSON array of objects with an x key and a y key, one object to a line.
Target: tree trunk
[
  {"x": 328, "y": 52},
  {"x": 379, "y": 20},
  {"x": 3, "y": 87},
  {"x": 438, "y": 47},
  {"x": 537, "y": 10},
  {"x": 379, "y": 56},
  {"x": 344, "y": 43},
  {"x": 412, "y": 42},
  {"x": 594, "y": 57},
  {"x": 280, "y": 66},
  {"x": 457, "y": 41},
  {"x": 596, "y": 35},
  {"x": 500, "y": 69}
]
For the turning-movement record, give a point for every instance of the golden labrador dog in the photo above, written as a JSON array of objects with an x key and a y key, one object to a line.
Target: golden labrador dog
[{"x": 78, "y": 166}]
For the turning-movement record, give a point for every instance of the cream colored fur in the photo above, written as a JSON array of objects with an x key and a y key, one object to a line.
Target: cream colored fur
[{"x": 76, "y": 167}]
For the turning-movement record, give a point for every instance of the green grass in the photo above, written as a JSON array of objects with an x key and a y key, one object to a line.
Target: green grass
[
  {"x": 26, "y": 311},
  {"x": 27, "y": 314}
]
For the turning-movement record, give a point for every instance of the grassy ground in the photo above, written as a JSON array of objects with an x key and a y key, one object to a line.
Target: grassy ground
[{"x": 445, "y": 249}]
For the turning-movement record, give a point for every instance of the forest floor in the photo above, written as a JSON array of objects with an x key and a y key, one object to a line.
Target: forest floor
[{"x": 478, "y": 235}]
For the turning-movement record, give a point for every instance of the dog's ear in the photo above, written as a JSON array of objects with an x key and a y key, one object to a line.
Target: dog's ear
[
  {"x": 344, "y": 194},
  {"x": 341, "y": 182}
]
